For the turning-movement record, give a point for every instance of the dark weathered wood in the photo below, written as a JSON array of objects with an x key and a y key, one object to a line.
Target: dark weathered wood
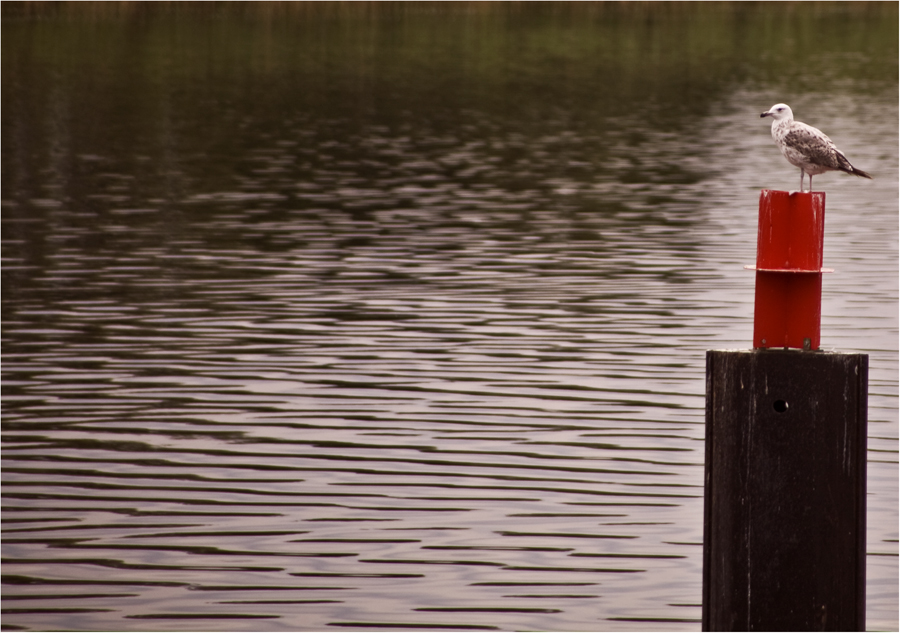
[{"x": 785, "y": 507}]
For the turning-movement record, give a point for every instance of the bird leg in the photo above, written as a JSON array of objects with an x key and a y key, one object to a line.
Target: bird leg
[
  {"x": 810, "y": 183},
  {"x": 801, "y": 181}
]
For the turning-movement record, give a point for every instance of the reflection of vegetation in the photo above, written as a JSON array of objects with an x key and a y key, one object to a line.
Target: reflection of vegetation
[
  {"x": 198, "y": 78},
  {"x": 599, "y": 55}
]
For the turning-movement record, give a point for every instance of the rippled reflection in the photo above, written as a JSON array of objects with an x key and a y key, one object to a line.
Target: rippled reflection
[{"x": 298, "y": 361}]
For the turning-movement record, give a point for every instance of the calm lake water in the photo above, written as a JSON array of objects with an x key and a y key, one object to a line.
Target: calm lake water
[{"x": 320, "y": 317}]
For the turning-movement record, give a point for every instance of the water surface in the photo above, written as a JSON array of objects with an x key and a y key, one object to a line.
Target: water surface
[{"x": 323, "y": 319}]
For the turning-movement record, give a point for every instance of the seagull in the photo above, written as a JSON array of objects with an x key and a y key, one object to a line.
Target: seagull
[{"x": 807, "y": 147}]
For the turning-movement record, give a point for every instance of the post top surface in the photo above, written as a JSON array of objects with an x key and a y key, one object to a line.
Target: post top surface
[
  {"x": 771, "y": 351},
  {"x": 781, "y": 192}
]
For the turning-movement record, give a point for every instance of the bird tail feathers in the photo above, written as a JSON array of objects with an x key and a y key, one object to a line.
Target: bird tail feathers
[{"x": 844, "y": 165}]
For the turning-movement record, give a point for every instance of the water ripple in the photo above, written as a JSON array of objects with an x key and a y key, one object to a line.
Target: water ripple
[{"x": 427, "y": 372}]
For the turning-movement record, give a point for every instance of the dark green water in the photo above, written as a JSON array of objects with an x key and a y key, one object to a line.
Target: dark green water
[{"x": 344, "y": 316}]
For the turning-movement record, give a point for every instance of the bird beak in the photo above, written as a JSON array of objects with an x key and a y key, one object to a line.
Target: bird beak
[{"x": 764, "y": 115}]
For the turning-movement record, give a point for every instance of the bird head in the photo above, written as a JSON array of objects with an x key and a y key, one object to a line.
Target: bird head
[{"x": 778, "y": 112}]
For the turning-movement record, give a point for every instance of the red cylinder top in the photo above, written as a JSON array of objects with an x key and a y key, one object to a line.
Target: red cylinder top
[{"x": 791, "y": 231}]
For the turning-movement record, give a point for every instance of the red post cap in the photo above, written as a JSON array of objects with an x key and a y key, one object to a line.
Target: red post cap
[
  {"x": 791, "y": 231},
  {"x": 789, "y": 255}
]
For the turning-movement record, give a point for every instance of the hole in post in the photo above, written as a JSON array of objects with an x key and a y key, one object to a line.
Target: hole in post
[{"x": 780, "y": 406}]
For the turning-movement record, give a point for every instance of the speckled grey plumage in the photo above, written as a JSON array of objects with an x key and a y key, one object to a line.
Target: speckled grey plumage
[{"x": 807, "y": 147}]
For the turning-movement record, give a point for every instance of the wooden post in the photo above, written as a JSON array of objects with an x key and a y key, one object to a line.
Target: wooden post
[
  {"x": 784, "y": 503},
  {"x": 785, "y": 511}
]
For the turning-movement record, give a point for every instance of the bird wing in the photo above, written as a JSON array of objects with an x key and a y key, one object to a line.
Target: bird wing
[{"x": 813, "y": 145}]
